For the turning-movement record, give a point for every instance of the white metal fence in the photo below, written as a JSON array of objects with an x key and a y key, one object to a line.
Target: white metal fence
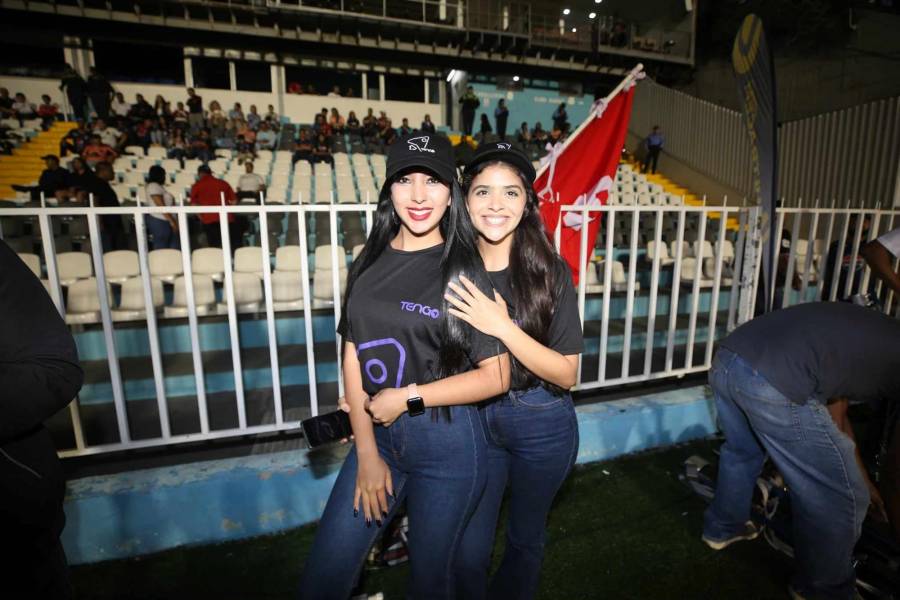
[{"x": 661, "y": 285}]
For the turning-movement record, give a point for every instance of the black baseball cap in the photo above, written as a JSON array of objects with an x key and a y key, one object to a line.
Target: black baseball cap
[
  {"x": 505, "y": 152},
  {"x": 50, "y": 156},
  {"x": 422, "y": 150}
]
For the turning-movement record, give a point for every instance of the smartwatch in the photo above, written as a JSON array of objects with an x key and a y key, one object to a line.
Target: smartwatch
[{"x": 415, "y": 406}]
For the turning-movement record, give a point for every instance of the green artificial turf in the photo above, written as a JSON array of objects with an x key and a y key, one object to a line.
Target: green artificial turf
[{"x": 626, "y": 528}]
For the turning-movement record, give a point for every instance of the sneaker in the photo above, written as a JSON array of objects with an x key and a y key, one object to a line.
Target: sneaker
[{"x": 750, "y": 532}]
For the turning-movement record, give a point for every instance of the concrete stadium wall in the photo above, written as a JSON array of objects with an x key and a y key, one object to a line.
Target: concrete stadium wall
[
  {"x": 298, "y": 108},
  {"x": 529, "y": 105},
  {"x": 141, "y": 512}
]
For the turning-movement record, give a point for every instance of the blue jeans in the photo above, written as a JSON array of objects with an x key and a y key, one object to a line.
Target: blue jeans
[
  {"x": 163, "y": 234},
  {"x": 532, "y": 445},
  {"x": 829, "y": 497},
  {"x": 439, "y": 469}
]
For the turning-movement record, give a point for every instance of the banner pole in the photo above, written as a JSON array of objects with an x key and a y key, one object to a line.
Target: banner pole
[{"x": 632, "y": 76}]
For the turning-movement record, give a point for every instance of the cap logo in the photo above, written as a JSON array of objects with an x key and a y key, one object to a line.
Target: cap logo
[
  {"x": 420, "y": 144},
  {"x": 504, "y": 146}
]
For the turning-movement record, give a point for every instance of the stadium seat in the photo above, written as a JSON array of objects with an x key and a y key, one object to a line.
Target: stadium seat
[
  {"x": 288, "y": 258},
  {"x": 287, "y": 290},
  {"x": 33, "y": 262},
  {"x": 248, "y": 293},
  {"x": 120, "y": 266},
  {"x": 689, "y": 271},
  {"x": 248, "y": 259},
  {"x": 137, "y": 178},
  {"x": 664, "y": 258},
  {"x": 83, "y": 302},
  {"x": 322, "y": 277},
  {"x": 131, "y": 304},
  {"x": 166, "y": 264},
  {"x": 73, "y": 266},
  {"x": 156, "y": 152},
  {"x": 135, "y": 150},
  {"x": 204, "y": 297},
  {"x": 208, "y": 261}
]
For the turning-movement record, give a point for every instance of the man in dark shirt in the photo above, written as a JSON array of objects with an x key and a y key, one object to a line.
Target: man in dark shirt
[
  {"x": 39, "y": 376},
  {"x": 470, "y": 104},
  {"x": 54, "y": 182},
  {"x": 772, "y": 378},
  {"x": 112, "y": 230},
  {"x": 74, "y": 87},
  {"x": 100, "y": 92},
  {"x": 6, "y": 109},
  {"x": 195, "y": 111}
]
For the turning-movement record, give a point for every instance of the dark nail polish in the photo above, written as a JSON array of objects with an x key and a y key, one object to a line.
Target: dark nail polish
[
  {"x": 355, "y": 512},
  {"x": 378, "y": 521}
]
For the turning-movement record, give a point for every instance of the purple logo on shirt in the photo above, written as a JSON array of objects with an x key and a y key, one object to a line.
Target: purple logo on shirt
[
  {"x": 420, "y": 308},
  {"x": 375, "y": 369}
]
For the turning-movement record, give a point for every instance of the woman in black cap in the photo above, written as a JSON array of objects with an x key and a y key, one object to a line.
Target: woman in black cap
[
  {"x": 532, "y": 430},
  {"x": 402, "y": 354}
]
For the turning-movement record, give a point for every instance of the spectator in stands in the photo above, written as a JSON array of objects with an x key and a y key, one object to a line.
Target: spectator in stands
[
  {"x": 322, "y": 150},
  {"x": 654, "y": 144},
  {"x": 353, "y": 125},
  {"x": 23, "y": 109},
  {"x": 74, "y": 140},
  {"x": 80, "y": 180},
  {"x": 96, "y": 151},
  {"x": 112, "y": 229},
  {"x": 524, "y": 135},
  {"x": 119, "y": 107},
  {"x": 501, "y": 115},
  {"x": 427, "y": 126},
  {"x": 162, "y": 227},
  {"x": 159, "y": 133},
  {"x": 100, "y": 92},
  {"x": 387, "y": 135},
  {"x": 303, "y": 147},
  {"x": 48, "y": 111},
  {"x": 253, "y": 118},
  {"x": 845, "y": 262},
  {"x": 539, "y": 137},
  {"x": 242, "y": 128},
  {"x": 180, "y": 117},
  {"x": 161, "y": 107},
  {"x": 6, "y": 110},
  {"x": 40, "y": 376},
  {"x": 236, "y": 113},
  {"x": 560, "y": 116},
  {"x": 141, "y": 109},
  {"x": 178, "y": 145},
  {"x": 74, "y": 87},
  {"x": 485, "y": 128},
  {"x": 369, "y": 125},
  {"x": 202, "y": 146},
  {"x": 266, "y": 139},
  {"x": 110, "y": 135},
  {"x": 772, "y": 378},
  {"x": 556, "y": 136},
  {"x": 210, "y": 191},
  {"x": 245, "y": 149},
  {"x": 250, "y": 184},
  {"x": 294, "y": 87},
  {"x": 140, "y": 134},
  {"x": 55, "y": 182},
  {"x": 195, "y": 111},
  {"x": 405, "y": 129},
  {"x": 879, "y": 254},
  {"x": 470, "y": 104},
  {"x": 218, "y": 120},
  {"x": 336, "y": 121},
  {"x": 273, "y": 118},
  {"x": 321, "y": 126},
  {"x": 335, "y": 92}
]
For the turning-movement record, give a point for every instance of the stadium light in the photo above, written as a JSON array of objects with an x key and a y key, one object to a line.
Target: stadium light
[
  {"x": 515, "y": 78},
  {"x": 597, "y": 1},
  {"x": 451, "y": 75},
  {"x": 574, "y": 30},
  {"x": 592, "y": 15},
  {"x": 566, "y": 11}
]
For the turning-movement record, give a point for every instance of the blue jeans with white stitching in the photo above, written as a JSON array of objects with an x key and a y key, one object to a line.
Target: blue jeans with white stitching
[{"x": 829, "y": 497}]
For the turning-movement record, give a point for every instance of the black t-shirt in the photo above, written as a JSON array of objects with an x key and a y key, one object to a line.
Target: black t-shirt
[
  {"x": 823, "y": 350},
  {"x": 394, "y": 317},
  {"x": 565, "y": 333},
  {"x": 105, "y": 196},
  {"x": 195, "y": 104},
  {"x": 53, "y": 180}
]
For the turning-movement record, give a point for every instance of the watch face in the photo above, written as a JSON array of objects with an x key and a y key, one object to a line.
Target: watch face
[{"x": 415, "y": 406}]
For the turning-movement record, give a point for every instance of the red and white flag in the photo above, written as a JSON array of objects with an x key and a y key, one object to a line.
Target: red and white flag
[{"x": 582, "y": 172}]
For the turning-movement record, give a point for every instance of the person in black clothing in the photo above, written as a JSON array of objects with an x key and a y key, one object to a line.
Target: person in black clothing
[
  {"x": 485, "y": 126},
  {"x": 81, "y": 179},
  {"x": 74, "y": 87},
  {"x": 39, "y": 376},
  {"x": 112, "y": 230},
  {"x": 501, "y": 115},
  {"x": 6, "y": 103},
  {"x": 844, "y": 261},
  {"x": 772, "y": 379},
  {"x": 55, "y": 182},
  {"x": 560, "y": 117},
  {"x": 427, "y": 125},
  {"x": 141, "y": 109},
  {"x": 470, "y": 104},
  {"x": 100, "y": 92},
  {"x": 195, "y": 111}
]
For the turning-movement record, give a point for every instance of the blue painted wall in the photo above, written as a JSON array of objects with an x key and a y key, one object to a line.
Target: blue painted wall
[
  {"x": 530, "y": 105},
  {"x": 141, "y": 512}
]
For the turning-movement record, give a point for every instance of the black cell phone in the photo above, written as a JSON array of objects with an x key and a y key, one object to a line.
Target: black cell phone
[{"x": 326, "y": 429}]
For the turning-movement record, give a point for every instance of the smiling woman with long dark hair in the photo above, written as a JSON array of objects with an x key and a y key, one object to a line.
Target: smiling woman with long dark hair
[
  {"x": 414, "y": 371},
  {"x": 532, "y": 431}
]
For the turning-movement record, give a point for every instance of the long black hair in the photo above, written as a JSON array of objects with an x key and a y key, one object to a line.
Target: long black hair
[
  {"x": 534, "y": 275},
  {"x": 460, "y": 257}
]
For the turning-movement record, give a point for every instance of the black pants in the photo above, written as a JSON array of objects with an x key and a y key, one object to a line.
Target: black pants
[
  {"x": 501, "y": 128},
  {"x": 214, "y": 234},
  {"x": 468, "y": 118},
  {"x": 652, "y": 156},
  {"x": 76, "y": 103},
  {"x": 101, "y": 105}
]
